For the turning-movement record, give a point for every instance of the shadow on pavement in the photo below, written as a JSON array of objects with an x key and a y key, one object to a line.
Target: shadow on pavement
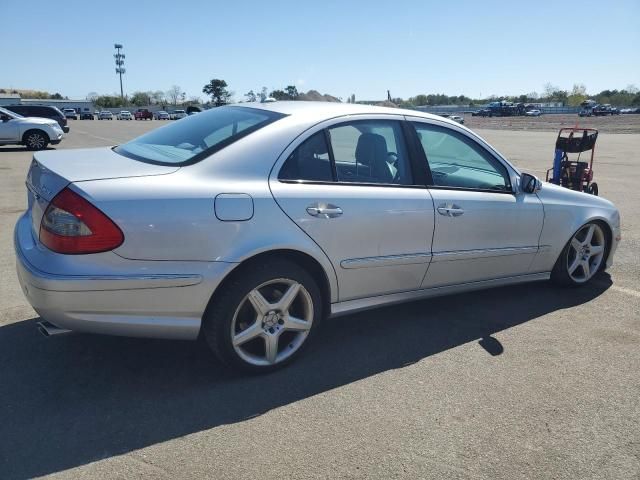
[
  {"x": 21, "y": 149},
  {"x": 70, "y": 400}
]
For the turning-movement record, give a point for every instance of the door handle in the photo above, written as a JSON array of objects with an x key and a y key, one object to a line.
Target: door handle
[
  {"x": 328, "y": 211},
  {"x": 450, "y": 210}
]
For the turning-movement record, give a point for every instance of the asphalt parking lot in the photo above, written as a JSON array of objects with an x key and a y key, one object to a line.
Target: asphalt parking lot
[{"x": 523, "y": 382}]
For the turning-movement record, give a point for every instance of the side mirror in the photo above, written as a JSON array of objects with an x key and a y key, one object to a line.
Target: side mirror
[
  {"x": 5, "y": 118},
  {"x": 529, "y": 183}
]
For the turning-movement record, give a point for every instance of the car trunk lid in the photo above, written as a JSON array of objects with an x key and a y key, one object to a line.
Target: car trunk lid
[{"x": 51, "y": 171}]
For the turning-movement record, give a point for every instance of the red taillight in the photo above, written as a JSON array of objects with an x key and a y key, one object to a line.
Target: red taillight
[{"x": 72, "y": 225}]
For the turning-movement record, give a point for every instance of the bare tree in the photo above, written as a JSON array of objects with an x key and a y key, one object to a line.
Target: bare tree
[
  {"x": 157, "y": 97},
  {"x": 173, "y": 94}
]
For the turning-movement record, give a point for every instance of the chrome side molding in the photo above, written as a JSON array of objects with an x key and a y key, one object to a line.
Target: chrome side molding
[{"x": 352, "y": 306}]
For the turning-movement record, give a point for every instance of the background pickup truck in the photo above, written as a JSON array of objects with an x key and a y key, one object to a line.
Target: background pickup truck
[{"x": 143, "y": 114}]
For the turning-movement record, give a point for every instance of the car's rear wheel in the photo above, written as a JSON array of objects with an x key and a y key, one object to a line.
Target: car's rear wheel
[
  {"x": 35, "y": 140},
  {"x": 583, "y": 256},
  {"x": 263, "y": 316}
]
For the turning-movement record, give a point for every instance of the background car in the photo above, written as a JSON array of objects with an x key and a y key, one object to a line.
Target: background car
[
  {"x": 35, "y": 133},
  {"x": 457, "y": 119},
  {"x": 86, "y": 114},
  {"x": 533, "y": 113},
  {"x": 143, "y": 114},
  {"x": 255, "y": 222},
  {"x": 105, "y": 115},
  {"x": 177, "y": 114},
  {"x": 42, "y": 111},
  {"x": 70, "y": 113},
  {"x": 125, "y": 115},
  {"x": 161, "y": 115}
]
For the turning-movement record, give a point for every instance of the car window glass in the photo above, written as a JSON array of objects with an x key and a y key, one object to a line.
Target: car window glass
[
  {"x": 457, "y": 161},
  {"x": 310, "y": 161},
  {"x": 197, "y": 136},
  {"x": 370, "y": 151}
]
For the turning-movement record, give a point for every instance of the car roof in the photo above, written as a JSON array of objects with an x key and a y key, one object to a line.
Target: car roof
[{"x": 331, "y": 109}]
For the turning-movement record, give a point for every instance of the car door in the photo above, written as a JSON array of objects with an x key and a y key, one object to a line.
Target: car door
[
  {"x": 484, "y": 227},
  {"x": 351, "y": 187}
]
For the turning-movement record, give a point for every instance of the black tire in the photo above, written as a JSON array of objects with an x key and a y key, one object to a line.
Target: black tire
[
  {"x": 35, "y": 140},
  {"x": 560, "y": 273},
  {"x": 219, "y": 316},
  {"x": 593, "y": 189}
]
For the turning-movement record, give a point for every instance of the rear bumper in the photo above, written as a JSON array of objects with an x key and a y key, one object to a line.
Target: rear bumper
[{"x": 155, "y": 304}]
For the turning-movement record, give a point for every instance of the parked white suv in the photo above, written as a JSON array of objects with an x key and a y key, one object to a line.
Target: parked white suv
[{"x": 32, "y": 132}]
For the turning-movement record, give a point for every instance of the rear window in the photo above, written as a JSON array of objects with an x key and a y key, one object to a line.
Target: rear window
[{"x": 198, "y": 136}]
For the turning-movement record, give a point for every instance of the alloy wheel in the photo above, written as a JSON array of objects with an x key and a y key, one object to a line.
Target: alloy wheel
[
  {"x": 586, "y": 252},
  {"x": 35, "y": 141},
  {"x": 272, "y": 322}
]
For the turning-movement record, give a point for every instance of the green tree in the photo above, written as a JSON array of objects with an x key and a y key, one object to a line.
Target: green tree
[
  {"x": 217, "y": 88},
  {"x": 250, "y": 96},
  {"x": 279, "y": 95},
  {"x": 109, "y": 101},
  {"x": 140, "y": 99},
  {"x": 292, "y": 92}
]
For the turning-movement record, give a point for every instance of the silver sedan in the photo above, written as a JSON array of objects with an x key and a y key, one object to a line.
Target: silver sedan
[{"x": 251, "y": 223}]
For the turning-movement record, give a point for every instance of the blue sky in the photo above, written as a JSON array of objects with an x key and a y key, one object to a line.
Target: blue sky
[{"x": 338, "y": 47}]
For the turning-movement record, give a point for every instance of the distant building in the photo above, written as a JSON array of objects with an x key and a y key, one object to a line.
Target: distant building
[
  {"x": 9, "y": 99},
  {"x": 78, "y": 105},
  {"x": 16, "y": 99}
]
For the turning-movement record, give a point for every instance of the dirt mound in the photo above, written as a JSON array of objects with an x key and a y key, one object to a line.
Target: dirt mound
[{"x": 315, "y": 96}]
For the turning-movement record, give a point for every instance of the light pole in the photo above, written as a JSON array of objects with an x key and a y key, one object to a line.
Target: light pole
[{"x": 119, "y": 66}]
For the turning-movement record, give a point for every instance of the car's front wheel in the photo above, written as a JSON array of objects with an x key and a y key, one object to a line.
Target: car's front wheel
[
  {"x": 583, "y": 256},
  {"x": 262, "y": 318},
  {"x": 35, "y": 140}
]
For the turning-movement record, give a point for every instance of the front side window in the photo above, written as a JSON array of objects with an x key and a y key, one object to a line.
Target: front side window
[
  {"x": 310, "y": 161},
  {"x": 457, "y": 161},
  {"x": 370, "y": 151},
  {"x": 197, "y": 136}
]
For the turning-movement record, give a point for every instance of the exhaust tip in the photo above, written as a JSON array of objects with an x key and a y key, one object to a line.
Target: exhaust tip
[{"x": 48, "y": 329}]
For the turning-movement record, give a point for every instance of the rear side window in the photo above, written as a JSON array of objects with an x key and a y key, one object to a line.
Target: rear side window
[
  {"x": 198, "y": 136},
  {"x": 43, "y": 112},
  {"x": 370, "y": 151},
  {"x": 310, "y": 161},
  {"x": 18, "y": 110}
]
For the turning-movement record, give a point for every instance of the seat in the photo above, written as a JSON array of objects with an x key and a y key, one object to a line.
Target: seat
[{"x": 372, "y": 152}]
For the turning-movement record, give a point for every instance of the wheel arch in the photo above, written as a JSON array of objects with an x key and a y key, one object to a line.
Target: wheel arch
[
  {"x": 303, "y": 259},
  {"x": 24, "y": 135},
  {"x": 608, "y": 231}
]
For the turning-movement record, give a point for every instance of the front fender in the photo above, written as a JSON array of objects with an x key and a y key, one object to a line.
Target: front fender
[{"x": 565, "y": 211}]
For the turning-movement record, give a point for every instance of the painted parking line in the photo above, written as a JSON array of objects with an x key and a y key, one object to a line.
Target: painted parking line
[
  {"x": 110, "y": 140},
  {"x": 628, "y": 291}
]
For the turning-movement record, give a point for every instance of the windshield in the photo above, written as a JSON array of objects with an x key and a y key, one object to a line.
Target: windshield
[{"x": 197, "y": 136}]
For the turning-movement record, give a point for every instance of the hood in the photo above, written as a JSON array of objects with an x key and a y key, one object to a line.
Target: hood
[{"x": 37, "y": 121}]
